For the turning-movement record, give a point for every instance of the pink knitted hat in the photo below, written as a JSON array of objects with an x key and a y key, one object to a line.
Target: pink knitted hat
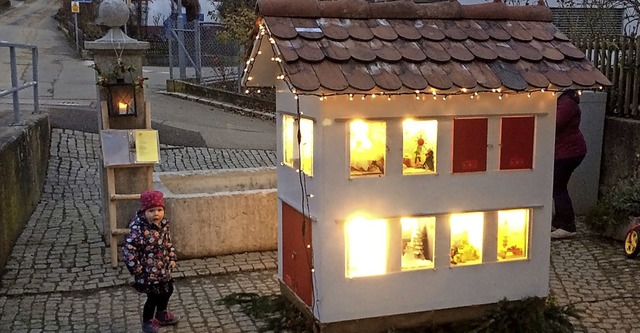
[{"x": 150, "y": 199}]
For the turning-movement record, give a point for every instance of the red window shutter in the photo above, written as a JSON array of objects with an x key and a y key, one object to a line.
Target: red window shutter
[
  {"x": 469, "y": 145},
  {"x": 516, "y": 143}
]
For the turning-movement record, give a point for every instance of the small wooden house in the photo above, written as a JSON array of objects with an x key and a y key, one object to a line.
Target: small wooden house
[{"x": 415, "y": 144}]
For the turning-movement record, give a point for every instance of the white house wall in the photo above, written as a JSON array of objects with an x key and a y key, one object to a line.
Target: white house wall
[
  {"x": 161, "y": 9},
  {"x": 394, "y": 195}
]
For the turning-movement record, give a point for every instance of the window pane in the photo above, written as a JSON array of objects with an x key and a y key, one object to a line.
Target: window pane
[
  {"x": 366, "y": 247},
  {"x": 466, "y": 238},
  {"x": 306, "y": 146},
  {"x": 367, "y": 147},
  {"x": 419, "y": 143},
  {"x": 513, "y": 234},
  {"x": 417, "y": 242},
  {"x": 516, "y": 143},
  {"x": 288, "y": 137}
]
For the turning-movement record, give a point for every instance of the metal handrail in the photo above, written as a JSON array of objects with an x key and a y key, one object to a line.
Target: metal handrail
[{"x": 14, "y": 79}]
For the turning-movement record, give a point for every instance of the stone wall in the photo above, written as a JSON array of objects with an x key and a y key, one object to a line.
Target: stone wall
[
  {"x": 621, "y": 151},
  {"x": 24, "y": 157}
]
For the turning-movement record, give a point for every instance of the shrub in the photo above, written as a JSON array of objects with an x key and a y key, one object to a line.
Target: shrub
[{"x": 615, "y": 207}]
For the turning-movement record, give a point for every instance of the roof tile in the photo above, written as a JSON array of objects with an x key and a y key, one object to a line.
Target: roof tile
[
  {"x": 480, "y": 50},
  {"x": 306, "y": 28},
  {"x": 434, "y": 51},
  {"x": 473, "y": 30},
  {"x": 332, "y": 28},
  {"x": 302, "y": 76},
  {"x": 287, "y": 49},
  {"x": 360, "y": 50},
  {"x": 405, "y": 29},
  {"x": 547, "y": 50},
  {"x": 494, "y": 31},
  {"x": 457, "y": 50},
  {"x": 556, "y": 75},
  {"x": 538, "y": 30},
  {"x": 451, "y": 30},
  {"x": 281, "y": 27},
  {"x": 357, "y": 76},
  {"x": 503, "y": 50},
  {"x": 516, "y": 31},
  {"x": 436, "y": 77},
  {"x": 525, "y": 50},
  {"x": 354, "y": 45},
  {"x": 382, "y": 29},
  {"x": 385, "y": 50},
  {"x": 308, "y": 50},
  {"x": 410, "y": 75},
  {"x": 532, "y": 75},
  {"x": 335, "y": 51},
  {"x": 330, "y": 76},
  {"x": 409, "y": 50},
  {"x": 484, "y": 75},
  {"x": 384, "y": 76},
  {"x": 459, "y": 74},
  {"x": 429, "y": 30},
  {"x": 568, "y": 49},
  {"x": 508, "y": 75},
  {"x": 358, "y": 29}
]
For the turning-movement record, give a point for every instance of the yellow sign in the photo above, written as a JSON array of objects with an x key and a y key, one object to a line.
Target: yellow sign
[
  {"x": 147, "y": 146},
  {"x": 75, "y": 6}
]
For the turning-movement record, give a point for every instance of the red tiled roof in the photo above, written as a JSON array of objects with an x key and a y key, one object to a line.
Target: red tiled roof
[{"x": 355, "y": 46}]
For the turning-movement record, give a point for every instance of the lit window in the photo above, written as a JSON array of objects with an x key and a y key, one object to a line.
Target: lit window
[
  {"x": 466, "y": 238},
  {"x": 366, "y": 247},
  {"x": 367, "y": 147},
  {"x": 513, "y": 231},
  {"x": 288, "y": 142},
  {"x": 417, "y": 242},
  {"x": 419, "y": 142},
  {"x": 298, "y": 157}
]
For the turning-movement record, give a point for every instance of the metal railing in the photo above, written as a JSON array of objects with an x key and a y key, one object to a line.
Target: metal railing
[{"x": 15, "y": 88}]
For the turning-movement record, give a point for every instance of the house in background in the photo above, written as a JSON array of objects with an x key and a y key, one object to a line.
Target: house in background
[
  {"x": 416, "y": 154},
  {"x": 580, "y": 18}
]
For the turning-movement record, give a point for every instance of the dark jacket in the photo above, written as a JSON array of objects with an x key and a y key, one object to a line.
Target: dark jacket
[
  {"x": 569, "y": 139},
  {"x": 148, "y": 252}
]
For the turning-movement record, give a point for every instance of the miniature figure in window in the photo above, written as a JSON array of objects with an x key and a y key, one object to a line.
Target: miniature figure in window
[
  {"x": 428, "y": 160},
  {"x": 419, "y": 151}
]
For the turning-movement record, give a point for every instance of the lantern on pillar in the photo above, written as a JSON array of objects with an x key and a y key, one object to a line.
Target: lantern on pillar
[{"x": 122, "y": 99}]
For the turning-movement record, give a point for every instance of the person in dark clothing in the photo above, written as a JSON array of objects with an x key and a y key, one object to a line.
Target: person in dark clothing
[
  {"x": 150, "y": 257},
  {"x": 570, "y": 150}
]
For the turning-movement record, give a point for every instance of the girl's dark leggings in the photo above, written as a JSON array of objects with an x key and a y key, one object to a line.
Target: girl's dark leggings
[{"x": 156, "y": 302}]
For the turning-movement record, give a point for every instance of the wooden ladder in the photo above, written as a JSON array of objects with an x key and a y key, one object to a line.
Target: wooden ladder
[{"x": 114, "y": 197}]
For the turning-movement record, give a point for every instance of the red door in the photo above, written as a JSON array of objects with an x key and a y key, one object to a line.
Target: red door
[{"x": 296, "y": 256}]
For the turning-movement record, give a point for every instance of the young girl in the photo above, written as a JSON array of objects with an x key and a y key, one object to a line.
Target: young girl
[{"x": 149, "y": 256}]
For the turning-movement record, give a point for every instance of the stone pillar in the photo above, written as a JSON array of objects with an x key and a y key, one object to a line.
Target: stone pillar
[{"x": 115, "y": 46}]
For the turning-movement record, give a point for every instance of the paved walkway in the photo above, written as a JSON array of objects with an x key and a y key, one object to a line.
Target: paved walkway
[{"x": 59, "y": 278}]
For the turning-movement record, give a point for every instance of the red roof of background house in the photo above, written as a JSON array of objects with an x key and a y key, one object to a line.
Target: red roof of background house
[{"x": 351, "y": 46}]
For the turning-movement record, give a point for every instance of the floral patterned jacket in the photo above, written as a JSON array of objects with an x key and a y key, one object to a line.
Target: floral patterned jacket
[{"x": 148, "y": 252}]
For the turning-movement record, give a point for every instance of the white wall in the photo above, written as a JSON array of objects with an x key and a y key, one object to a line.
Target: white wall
[
  {"x": 162, "y": 10},
  {"x": 584, "y": 183},
  {"x": 394, "y": 195}
]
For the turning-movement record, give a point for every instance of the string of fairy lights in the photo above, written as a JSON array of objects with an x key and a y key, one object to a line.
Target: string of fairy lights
[{"x": 431, "y": 93}]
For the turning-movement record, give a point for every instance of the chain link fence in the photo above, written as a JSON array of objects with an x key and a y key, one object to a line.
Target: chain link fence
[{"x": 195, "y": 52}]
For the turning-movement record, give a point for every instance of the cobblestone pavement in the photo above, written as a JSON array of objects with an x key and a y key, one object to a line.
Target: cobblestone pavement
[{"x": 59, "y": 278}]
